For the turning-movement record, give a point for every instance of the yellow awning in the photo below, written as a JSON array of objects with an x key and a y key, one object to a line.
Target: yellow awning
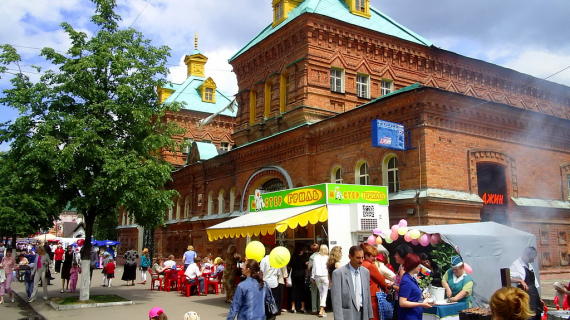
[{"x": 264, "y": 222}]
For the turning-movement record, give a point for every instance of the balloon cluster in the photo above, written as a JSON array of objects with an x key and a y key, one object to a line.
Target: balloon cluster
[
  {"x": 401, "y": 229},
  {"x": 278, "y": 257}
]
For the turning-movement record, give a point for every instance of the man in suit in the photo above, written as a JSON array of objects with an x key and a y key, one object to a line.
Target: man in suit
[{"x": 351, "y": 289}]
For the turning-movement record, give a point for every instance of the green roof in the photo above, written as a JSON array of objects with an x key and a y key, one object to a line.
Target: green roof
[
  {"x": 338, "y": 9},
  {"x": 188, "y": 92},
  {"x": 404, "y": 89}
]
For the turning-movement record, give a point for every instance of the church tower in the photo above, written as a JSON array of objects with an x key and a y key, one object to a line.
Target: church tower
[{"x": 196, "y": 61}]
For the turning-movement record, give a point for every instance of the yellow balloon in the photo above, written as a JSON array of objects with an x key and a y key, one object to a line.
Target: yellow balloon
[
  {"x": 402, "y": 230},
  {"x": 279, "y": 257},
  {"x": 415, "y": 234},
  {"x": 255, "y": 250},
  {"x": 379, "y": 240}
]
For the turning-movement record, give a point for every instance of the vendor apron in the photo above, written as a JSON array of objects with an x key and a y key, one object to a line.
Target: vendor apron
[
  {"x": 535, "y": 303},
  {"x": 457, "y": 287}
]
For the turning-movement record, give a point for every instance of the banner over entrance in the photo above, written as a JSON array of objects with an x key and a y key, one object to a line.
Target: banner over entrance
[{"x": 326, "y": 193}]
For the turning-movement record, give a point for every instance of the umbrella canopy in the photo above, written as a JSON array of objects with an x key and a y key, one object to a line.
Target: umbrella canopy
[
  {"x": 100, "y": 243},
  {"x": 47, "y": 236}
]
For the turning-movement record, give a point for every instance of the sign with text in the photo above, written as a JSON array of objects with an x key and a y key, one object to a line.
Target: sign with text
[
  {"x": 388, "y": 135},
  {"x": 318, "y": 194}
]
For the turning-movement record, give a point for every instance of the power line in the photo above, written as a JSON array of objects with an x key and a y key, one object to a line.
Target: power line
[{"x": 140, "y": 13}]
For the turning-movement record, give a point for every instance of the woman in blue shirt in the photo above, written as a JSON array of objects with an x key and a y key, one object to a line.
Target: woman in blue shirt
[
  {"x": 249, "y": 299},
  {"x": 410, "y": 294},
  {"x": 189, "y": 257}
]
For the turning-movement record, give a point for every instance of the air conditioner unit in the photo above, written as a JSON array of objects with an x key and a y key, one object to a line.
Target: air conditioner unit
[{"x": 368, "y": 216}]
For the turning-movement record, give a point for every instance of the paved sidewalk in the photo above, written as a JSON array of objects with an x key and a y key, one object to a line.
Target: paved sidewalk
[{"x": 173, "y": 303}]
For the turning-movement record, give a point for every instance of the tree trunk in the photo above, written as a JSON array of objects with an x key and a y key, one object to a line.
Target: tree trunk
[{"x": 89, "y": 218}]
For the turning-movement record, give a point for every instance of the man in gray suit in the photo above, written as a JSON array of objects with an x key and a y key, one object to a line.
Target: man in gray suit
[{"x": 350, "y": 289}]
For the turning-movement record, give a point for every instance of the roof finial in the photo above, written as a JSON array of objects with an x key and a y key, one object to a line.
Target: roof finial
[{"x": 196, "y": 41}]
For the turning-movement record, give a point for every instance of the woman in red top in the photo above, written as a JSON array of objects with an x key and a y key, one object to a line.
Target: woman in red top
[
  {"x": 377, "y": 280},
  {"x": 58, "y": 258}
]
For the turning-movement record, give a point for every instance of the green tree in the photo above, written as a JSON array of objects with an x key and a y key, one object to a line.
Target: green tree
[
  {"x": 25, "y": 206},
  {"x": 92, "y": 129},
  {"x": 105, "y": 227}
]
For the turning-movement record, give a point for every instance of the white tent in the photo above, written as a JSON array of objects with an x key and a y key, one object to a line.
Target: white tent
[
  {"x": 487, "y": 247},
  {"x": 45, "y": 237}
]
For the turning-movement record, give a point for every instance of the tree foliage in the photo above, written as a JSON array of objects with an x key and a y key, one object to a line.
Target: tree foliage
[{"x": 90, "y": 130}]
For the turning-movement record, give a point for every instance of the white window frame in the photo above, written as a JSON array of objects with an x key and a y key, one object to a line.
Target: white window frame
[
  {"x": 178, "y": 208},
  {"x": 209, "y": 94},
  {"x": 335, "y": 78},
  {"x": 206, "y": 141},
  {"x": 221, "y": 201},
  {"x": 210, "y": 203},
  {"x": 358, "y": 176},
  {"x": 279, "y": 11},
  {"x": 232, "y": 199},
  {"x": 170, "y": 213},
  {"x": 363, "y": 85},
  {"x": 226, "y": 147},
  {"x": 334, "y": 172},
  {"x": 568, "y": 185},
  {"x": 187, "y": 207},
  {"x": 186, "y": 143},
  {"x": 360, "y": 5},
  {"x": 386, "y": 173},
  {"x": 386, "y": 87}
]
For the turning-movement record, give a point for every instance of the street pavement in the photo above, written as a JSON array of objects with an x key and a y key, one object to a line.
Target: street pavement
[{"x": 173, "y": 303}]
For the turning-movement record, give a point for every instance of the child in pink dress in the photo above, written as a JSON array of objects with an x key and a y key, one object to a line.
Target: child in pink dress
[{"x": 74, "y": 275}]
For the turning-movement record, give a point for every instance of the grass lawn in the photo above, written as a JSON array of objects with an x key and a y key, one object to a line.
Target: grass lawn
[{"x": 92, "y": 299}]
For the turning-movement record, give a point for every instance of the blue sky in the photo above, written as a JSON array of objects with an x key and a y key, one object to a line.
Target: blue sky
[{"x": 528, "y": 36}]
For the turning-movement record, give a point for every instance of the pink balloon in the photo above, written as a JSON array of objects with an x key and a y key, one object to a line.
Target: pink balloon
[
  {"x": 407, "y": 237},
  {"x": 435, "y": 238},
  {"x": 377, "y": 231},
  {"x": 415, "y": 242},
  {"x": 468, "y": 268},
  {"x": 394, "y": 236},
  {"x": 395, "y": 228},
  {"x": 371, "y": 240},
  {"x": 403, "y": 223},
  {"x": 424, "y": 240}
]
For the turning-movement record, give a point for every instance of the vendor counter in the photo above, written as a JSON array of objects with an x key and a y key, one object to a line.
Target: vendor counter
[{"x": 448, "y": 312}]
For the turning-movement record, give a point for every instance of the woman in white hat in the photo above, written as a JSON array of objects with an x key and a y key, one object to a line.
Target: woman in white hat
[{"x": 457, "y": 283}]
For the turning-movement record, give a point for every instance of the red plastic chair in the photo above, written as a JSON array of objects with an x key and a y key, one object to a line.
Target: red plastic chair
[
  {"x": 172, "y": 279},
  {"x": 187, "y": 286},
  {"x": 153, "y": 280},
  {"x": 216, "y": 281}
]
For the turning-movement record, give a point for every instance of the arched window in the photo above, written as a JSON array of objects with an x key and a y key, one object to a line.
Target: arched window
[
  {"x": 221, "y": 202},
  {"x": 336, "y": 175},
  {"x": 170, "y": 212},
  {"x": 268, "y": 95},
  {"x": 232, "y": 199},
  {"x": 361, "y": 174},
  {"x": 178, "y": 209},
  {"x": 210, "y": 202},
  {"x": 187, "y": 207},
  {"x": 252, "y": 106},
  {"x": 284, "y": 91},
  {"x": 390, "y": 174},
  {"x": 125, "y": 218}
]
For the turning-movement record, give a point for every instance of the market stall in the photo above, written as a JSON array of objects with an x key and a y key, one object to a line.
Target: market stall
[{"x": 349, "y": 210}]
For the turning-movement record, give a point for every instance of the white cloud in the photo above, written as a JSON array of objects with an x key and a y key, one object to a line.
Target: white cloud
[{"x": 541, "y": 64}]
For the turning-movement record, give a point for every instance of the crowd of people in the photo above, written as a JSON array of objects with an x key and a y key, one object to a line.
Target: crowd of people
[{"x": 314, "y": 280}]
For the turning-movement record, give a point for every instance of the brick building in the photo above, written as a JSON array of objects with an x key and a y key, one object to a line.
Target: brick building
[{"x": 485, "y": 142}]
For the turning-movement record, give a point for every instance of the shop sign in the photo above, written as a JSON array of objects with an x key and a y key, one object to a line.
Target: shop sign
[
  {"x": 306, "y": 196},
  {"x": 388, "y": 135},
  {"x": 318, "y": 194},
  {"x": 351, "y": 193},
  {"x": 491, "y": 198}
]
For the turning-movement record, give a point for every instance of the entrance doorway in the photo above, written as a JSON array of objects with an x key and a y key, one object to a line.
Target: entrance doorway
[{"x": 492, "y": 184}]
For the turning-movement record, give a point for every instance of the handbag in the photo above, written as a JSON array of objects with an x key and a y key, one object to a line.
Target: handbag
[
  {"x": 271, "y": 310},
  {"x": 391, "y": 295},
  {"x": 308, "y": 282},
  {"x": 385, "y": 308}
]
